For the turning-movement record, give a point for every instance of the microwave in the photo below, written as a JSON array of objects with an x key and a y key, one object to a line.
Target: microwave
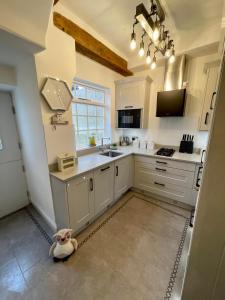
[{"x": 129, "y": 118}]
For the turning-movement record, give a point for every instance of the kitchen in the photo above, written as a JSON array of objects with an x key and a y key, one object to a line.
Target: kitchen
[{"x": 109, "y": 182}]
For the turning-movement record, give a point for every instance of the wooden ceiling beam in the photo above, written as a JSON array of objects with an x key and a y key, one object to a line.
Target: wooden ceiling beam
[{"x": 89, "y": 46}]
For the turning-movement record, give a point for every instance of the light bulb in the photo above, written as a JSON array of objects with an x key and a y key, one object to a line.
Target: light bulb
[
  {"x": 153, "y": 65},
  {"x": 141, "y": 50},
  {"x": 168, "y": 53},
  {"x": 148, "y": 57},
  {"x": 155, "y": 34},
  {"x": 172, "y": 57},
  {"x": 148, "y": 60},
  {"x": 133, "y": 43}
]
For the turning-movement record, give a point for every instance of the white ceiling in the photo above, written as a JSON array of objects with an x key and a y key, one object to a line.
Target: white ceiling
[{"x": 193, "y": 23}]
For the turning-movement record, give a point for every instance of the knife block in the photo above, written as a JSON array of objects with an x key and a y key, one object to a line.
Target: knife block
[{"x": 186, "y": 147}]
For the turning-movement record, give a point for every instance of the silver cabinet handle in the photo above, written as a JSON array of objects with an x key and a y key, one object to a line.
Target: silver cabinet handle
[
  {"x": 211, "y": 104},
  {"x": 206, "y": 118},
  {"x": 161, "y": 162},
  {"x": 157, "y": 183},
  {"x": 159, "y": 169},
  {"x": 117, "y": 170},
  {"x": 104, "y": 169},
  {"x": 91, "y": 184}
]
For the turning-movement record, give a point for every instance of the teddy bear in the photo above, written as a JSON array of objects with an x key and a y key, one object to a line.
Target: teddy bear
[{"x": 64, "y": 246}]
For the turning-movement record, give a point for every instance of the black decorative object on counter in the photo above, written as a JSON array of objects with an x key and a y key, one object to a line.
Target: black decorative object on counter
[
  {"x": 187, "y": 144},
  {"x": 165, "y": 152}
]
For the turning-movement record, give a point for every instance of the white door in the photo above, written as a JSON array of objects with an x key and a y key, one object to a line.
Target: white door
[
  {"x": 103, "y": 187},
  {"x": 80, "y": 200},
  {"x": 122, "y": 176},
  {"x": 13, "y": 190}
]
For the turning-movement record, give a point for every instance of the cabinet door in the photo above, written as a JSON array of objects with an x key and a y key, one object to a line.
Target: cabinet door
[
  {"x": 80, "y": 200},
  {"x": 130, "y": 94},
  {"x": 103, "y": 187},
  {"x": 122, "y": 177},
  {"x": 209, "y": 98}
]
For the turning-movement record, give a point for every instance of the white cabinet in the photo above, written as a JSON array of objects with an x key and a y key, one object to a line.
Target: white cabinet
[
  {"x": 209, "y": 97},
  {"x": 103, "y": 187},
  {"x": 73, "y": 201},
  {"x": 166, "y": 178},
  {"x": 80, "y": 200},
  {"x": 122, "y": 177},
  {"x": 134, "y": 93}
]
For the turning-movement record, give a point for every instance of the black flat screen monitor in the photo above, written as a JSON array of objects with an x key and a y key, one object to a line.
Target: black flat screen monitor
[{"x": 171, "y": 103}]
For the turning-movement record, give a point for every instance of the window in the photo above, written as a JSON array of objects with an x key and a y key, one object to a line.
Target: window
[{"x": 88, "y": 111}]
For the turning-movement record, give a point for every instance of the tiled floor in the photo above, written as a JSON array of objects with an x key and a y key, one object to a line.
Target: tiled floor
[{"x": 130, "y": 257}]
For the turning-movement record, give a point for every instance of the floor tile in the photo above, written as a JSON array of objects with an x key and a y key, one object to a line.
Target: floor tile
[{"x": 12, "y": 283}]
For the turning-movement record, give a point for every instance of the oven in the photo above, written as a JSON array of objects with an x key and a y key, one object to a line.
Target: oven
[{"x": 129, "y": 118}]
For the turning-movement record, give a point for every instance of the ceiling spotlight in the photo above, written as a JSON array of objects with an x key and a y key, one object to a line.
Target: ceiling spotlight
[
  {"x": 172, "y": 57},
  {"x": 148, "y": 57},
  {"x": 153, "y": 65},
  {"x": 133, "y": 43},
  {"x": 141, "y": 50}
]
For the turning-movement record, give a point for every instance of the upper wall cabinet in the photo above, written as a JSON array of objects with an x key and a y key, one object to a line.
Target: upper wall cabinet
[
  {"x": 212, "y": 71},
  {"x": 133, "y": 92}
]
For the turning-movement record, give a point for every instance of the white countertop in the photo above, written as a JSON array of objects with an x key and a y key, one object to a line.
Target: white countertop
[{"x": 95, "y": 160}]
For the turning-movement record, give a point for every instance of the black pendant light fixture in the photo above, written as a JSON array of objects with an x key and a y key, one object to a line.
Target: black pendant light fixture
[{"x": 153, "y": 27}]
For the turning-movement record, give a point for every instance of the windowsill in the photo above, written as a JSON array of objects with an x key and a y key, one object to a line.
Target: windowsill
[{"x": 87, "y": 150}]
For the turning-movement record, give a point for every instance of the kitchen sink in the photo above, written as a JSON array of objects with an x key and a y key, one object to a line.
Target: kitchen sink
[{"x": 111, "y": 153}]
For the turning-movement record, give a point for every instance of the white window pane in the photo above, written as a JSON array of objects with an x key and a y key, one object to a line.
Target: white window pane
[
  {"x": 82, "y": 109},
  {"x": 90, "y": 94},
  {"x": 99, "y": 136},
  {"x": 74, "y": 108},
  {"x": 75, "y": 122},
  {"x": 92, "y": 122},
  {"x": 100, "y": 111},
  {"x": 82, "y": 123},
  {"x": 82, "y": 139},
  {"x": 91, "y": 110},
  {"x": 91, "y": 133},
  {"x": 100, "y": 122},
  {"x": 80, "y": 92},
  {"x": 100, "y": 96}
]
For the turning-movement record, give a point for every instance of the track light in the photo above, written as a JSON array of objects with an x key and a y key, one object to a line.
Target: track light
[
  {"x": 141, "y": 50},
  {"x": 172, "y": 57},
  {"x": 133, "y": 43},
  {"x": 153, "y": 65}
]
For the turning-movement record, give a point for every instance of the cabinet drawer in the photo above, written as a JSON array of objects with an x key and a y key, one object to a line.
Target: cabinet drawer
[
  {"x": 163, "y": 162},
  {"x": 165, "y": 174}
]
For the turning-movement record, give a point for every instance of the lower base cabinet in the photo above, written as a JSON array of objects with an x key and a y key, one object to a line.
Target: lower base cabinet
[
  {"x": 80, "y": 197},
  {"x": 122, "y": 176},
  {"x": 103, "y": 187},
  {"x": 168, "y": 179}
]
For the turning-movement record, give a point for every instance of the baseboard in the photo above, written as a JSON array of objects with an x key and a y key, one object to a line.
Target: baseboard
[{"x": 48, "y": 220}]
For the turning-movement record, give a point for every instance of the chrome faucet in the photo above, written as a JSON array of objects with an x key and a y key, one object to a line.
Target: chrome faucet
[{"x": 104, "y": 147}]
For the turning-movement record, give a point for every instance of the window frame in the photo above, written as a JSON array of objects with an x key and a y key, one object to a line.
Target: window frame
[{"x": 93, "y": 102}]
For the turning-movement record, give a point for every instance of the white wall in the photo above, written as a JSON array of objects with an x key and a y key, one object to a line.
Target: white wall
[
  {"x": 59, "y": 61},
  {"x": 28, "y": 112},
  {"x": 92, "y": 71},
  {"x": 7, "y": 76},
  {"x": 169, "y": 131},
  {"x": 26, "y": 19}
]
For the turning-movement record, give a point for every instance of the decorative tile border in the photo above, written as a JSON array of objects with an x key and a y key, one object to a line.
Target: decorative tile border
[
  {"x": 173, "y": 275},
  {"x": 40, "y": 228}
]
